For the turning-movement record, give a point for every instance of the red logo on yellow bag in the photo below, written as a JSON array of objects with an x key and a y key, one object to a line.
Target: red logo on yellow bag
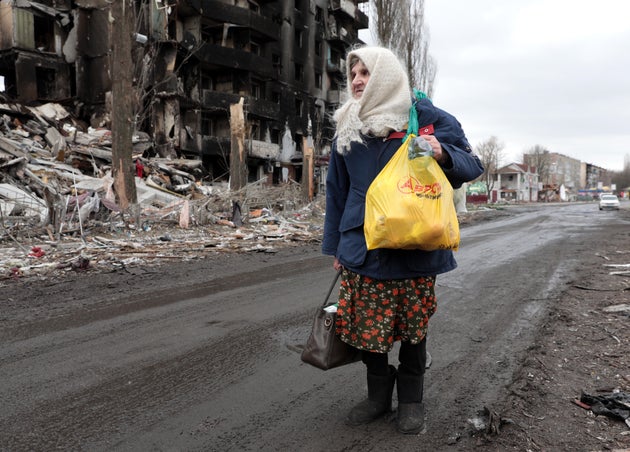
[{"x": 408, "y": 185}]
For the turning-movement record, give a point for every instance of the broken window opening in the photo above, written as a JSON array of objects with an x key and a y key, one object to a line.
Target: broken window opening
[
  {"x": 256, "y": 90},
  {"x": 241, "y": 83},
  {"x": 208, "y": 33},
  {"x": 299, "y": 105},
  {"x": 223, "y": 83},
  {"x": 275, "y": 136},
  {"x": 254, "y": 131},
  {"x": 214, "y": 126},
  {"x": 242, "y": 39},
  {"x": 45, "y": 83},
  {"x": 319, "y": 14},
  {"x": 277, "y": 173},
  {"x": 254, "y": 6},
  {"x": 299, "y": 5},
  {"x": 254, "y": 48},
  {"x": 217, "y": 34},
  {"x": 335, "y": 57},
  {"x": 299, "y": 72},
  {"x": 206, "y": 81},
  {"x": 217, "y": 167},
  {"x": 277, "y": 64},
  {"x": 221, "y": 127},
  {"x": 44, "y": 28},
  {"x": 206, "y": 124},
  {"x": 299, "y": 35},
  {"x": 172, "y": 29},
  {"x": 298, "y": 174}
]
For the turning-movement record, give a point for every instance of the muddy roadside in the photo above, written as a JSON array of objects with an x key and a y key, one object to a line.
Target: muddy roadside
[{"x": 582, "y": 347}]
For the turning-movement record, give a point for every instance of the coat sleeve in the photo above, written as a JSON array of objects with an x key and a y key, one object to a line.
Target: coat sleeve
[
  {"x": 464, "y": 165},
  {"x": 337, "y": 186}
]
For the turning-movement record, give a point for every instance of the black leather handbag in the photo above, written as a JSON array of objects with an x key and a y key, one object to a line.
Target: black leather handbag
[{"x": 323, "y": 348}]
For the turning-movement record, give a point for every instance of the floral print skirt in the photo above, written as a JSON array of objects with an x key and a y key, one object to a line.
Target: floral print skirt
[{"x": 373, "y": 314}]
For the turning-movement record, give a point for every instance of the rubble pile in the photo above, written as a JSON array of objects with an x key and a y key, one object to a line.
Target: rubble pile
[{"x": 58, "y": 210}]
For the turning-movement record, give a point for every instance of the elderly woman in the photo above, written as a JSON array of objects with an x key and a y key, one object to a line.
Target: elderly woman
[{"x": 386, "y": 295}]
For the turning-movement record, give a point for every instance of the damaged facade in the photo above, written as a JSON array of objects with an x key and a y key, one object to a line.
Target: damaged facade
[{"x": 193, "y": 59}]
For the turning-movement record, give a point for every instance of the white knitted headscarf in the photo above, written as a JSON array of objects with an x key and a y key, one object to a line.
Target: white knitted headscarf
[{"x": 384, "y": 104}]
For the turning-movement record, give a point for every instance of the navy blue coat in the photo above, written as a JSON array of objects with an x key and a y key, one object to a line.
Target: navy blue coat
[{"x": 349, "y": 177}]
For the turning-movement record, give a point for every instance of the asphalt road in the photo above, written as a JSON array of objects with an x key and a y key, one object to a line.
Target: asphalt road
[{"x": 215, "y": 365}]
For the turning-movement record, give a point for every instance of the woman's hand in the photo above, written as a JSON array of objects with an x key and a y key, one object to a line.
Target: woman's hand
[
  {"x": 337, "y": 265},
  {"x": 438, "y": 152}
]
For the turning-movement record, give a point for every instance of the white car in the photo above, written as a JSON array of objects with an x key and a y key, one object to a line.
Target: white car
[{"x": 608, "y": 202}]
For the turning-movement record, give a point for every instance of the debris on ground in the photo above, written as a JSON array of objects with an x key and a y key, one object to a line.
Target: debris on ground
[
  {"x": 615, "y": 405},
  {"x": 58, "y": 210},
  {"x": 57, "y": 205},
  {"x": 488, "y": 422}
]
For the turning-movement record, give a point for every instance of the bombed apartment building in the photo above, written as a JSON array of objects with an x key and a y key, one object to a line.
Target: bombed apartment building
[{"x": 193, "y": 60}]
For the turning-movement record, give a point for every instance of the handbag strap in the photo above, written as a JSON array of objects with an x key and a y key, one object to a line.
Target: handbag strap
[{"x": 332, "y": 286}]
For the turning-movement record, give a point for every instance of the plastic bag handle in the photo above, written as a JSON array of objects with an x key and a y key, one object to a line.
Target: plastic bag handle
[{"x": 413, "y": 125}]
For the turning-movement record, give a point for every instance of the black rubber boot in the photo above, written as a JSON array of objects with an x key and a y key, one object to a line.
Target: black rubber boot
[
  {"x": 379, "y": 400},
  {"x": 410, "y": 412}
]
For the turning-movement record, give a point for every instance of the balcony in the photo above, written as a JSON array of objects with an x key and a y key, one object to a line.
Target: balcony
[
  {"x": 255, "y": 107},
  {"x": 339, "y": 33},
  {"x": 215, "y": 146},
  {"x": 350, "y": 9},
  {"x": 337, "y": 66},
  {"x": 220, "y": 146},
  {"x": 217, "y": 56},
  {"x": 243, "y": 17},
  {"x": 264, "y": 150}
]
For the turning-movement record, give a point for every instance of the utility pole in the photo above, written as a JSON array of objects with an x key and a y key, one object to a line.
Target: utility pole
[{"x": 122, "y": 13}]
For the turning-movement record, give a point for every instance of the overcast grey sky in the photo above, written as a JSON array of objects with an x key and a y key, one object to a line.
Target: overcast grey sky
[{"x": 549, "y": 72}]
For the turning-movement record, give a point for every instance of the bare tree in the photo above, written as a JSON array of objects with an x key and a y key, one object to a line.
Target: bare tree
[
  {"x": 538, "y": 157},
  {"x": 399, "y": 26},
  {"x": 490, "y": 153},
  {"x": 622, "y": 178}
]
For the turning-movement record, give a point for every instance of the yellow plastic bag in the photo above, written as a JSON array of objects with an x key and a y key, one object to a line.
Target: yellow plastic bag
[{"x": 409, "y": 205}]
